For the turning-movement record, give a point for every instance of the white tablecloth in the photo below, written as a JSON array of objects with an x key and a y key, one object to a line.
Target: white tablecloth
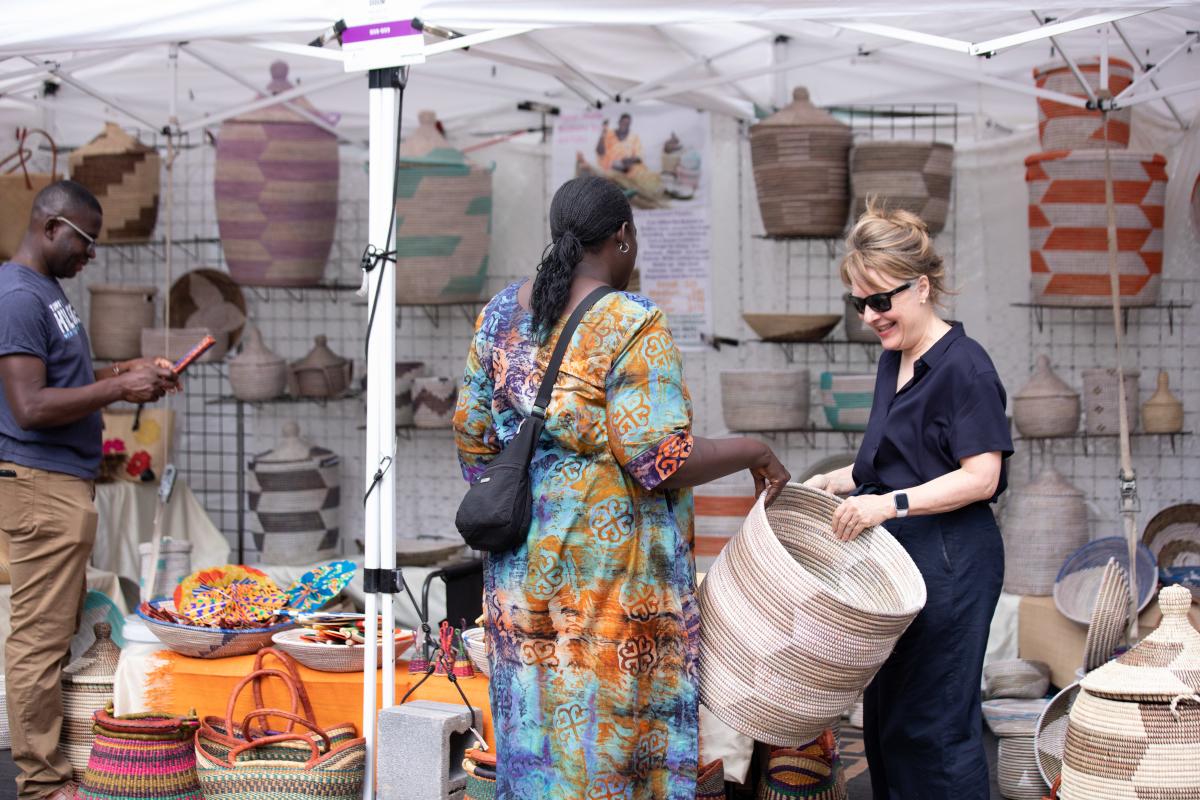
[{"x": 126, "y": 512}]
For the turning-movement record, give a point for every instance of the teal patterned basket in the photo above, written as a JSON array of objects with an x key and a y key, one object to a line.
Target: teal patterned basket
[
  {"x": 443, "y": 220},
  {"x": 846, "y": 397}
]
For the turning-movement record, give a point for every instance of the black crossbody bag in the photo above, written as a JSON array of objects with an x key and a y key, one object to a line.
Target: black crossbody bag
[{"x": 495, "y": 514}]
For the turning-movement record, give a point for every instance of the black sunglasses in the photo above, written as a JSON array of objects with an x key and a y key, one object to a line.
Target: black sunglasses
[{"x": 880, "y": 301}]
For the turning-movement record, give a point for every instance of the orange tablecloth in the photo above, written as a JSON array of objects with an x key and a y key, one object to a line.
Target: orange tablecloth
[{"x": 177, "y": 684}]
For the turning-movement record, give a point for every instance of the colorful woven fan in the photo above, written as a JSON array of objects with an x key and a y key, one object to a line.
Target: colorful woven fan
[
  {"x": 317, "y": 587},
  {"x": 233, "y": 593}
]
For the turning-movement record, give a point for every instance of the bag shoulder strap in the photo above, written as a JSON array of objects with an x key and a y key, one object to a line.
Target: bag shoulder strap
[{"x": 560, "y": 349}]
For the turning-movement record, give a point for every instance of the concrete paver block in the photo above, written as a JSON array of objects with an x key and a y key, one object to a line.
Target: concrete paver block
[{"x": 420, "y": 751}]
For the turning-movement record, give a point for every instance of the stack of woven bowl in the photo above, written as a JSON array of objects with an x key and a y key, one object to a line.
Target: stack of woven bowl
[
  {"x": 1016, "y": 698},
  {"x": 1067, "y": 211}
]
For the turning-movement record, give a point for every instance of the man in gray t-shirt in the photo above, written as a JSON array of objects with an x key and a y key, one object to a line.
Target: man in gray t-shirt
[{"x": 50, "y": 444}]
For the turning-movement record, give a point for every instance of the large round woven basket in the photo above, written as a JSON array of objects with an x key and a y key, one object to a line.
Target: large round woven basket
[
  {"x": 1050, "y": 733},
  {"x": 765, "y": 400},
  {"x": 276, "y": 188},
  {"x": 1068, "y": 226},
  {"x": 1077, "y": 584},
  {"x": 795, "y": 623},
  {"x": 801, "y": 170},
  {"x": 1109, "y": 615},
  {"x": 792, "y": 327},
  {"x": 116, "y": 318},
  {"x": 1044, "y": 521},
  {"x": 1017, "y": 774},
  {"x": 198, "y": 642},
  {"x": 443, "y": 220},
  {"x": 333, "y": 657},
  {"x": 1066, "y": 127},
  {"x": 913, "y": 176},
  {"x": 1101, "y": 405},
  {"x": 123, "y": 174},
  {"x": 1173, "y": 536},
  {"x": 846, "y": 398}
]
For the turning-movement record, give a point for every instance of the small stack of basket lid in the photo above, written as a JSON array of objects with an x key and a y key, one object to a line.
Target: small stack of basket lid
[
  {"x": 1046, "y": 406},
  {"x": 87, "y": 685},
  {"x": 1134, "y": 728},
  {"x": 1044, "y": 521},
  {"x": 257, "y": 374},
  {"x": 801, "y": 170},
  {"x": 123, "y": 174},
  {"x": 1016, "y": 689}
]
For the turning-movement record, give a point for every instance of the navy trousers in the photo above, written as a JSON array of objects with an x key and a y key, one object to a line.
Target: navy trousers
[{"x": 921, "y": 719}]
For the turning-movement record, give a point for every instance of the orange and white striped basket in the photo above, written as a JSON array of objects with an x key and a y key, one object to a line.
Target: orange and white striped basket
[
  {"x": 1066, "y": 127},
  {"x": 1068, "y": 226}
]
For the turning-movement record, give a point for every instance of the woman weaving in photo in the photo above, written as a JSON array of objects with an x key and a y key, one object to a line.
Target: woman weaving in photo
[
  {"x": 592, "y": 622},
  {"x": 930, "y": 464}
]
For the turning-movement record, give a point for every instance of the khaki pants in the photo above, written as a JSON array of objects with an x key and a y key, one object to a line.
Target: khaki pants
[{"x": 50, "y": 519}]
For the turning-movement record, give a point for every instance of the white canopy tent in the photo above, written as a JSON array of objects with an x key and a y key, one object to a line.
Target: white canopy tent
[{"x": 186, "y": 65}]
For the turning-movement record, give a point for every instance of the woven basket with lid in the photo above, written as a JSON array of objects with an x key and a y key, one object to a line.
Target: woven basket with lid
[
  {"x": 1046, "y": 406},
  {"x": 257, "y": 374},
  {"x": 443, "y": 220},
  {"x": 123, "y": 174},
  {"x": 276, "y": 187},
  {"x": 1134, "y": 729},
  {"x": 294, "y": 496},
  {"x": 320, "y": 374},
  {"x": 802, "y": 170},
  {"x": 1044, "y": 522},
  {"x": 87, "y": 686}
]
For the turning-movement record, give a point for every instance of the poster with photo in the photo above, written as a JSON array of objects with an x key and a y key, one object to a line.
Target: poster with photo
[{"x": 660, "y": 156}]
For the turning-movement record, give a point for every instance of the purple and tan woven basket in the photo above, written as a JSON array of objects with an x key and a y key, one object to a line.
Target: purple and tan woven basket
[{"x": 277, "y": 193}]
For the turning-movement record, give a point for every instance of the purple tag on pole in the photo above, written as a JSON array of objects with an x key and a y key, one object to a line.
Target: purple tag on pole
[{"x": 378, "y": 30}]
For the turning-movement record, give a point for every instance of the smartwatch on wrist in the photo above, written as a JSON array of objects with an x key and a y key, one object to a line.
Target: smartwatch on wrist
[{"x": 901, "y": 501}]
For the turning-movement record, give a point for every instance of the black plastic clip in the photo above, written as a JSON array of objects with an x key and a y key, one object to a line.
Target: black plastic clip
[
  {"x": 383, "y": 581},
  {"x": 1129, "y": 493}
]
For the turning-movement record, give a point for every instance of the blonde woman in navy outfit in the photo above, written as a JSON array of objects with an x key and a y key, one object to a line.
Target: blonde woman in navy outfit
[{"x": 930, "y": 465}]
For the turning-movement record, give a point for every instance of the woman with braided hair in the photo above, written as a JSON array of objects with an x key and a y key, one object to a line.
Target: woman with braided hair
[{"x": 592, "y": 623}]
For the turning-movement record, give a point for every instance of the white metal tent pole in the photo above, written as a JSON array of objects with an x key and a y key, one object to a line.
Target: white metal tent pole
[
  {"x": 1149, "y": 74},
  {"x": 380, "y": 511},
  {"x": 1142, "y": 66}
]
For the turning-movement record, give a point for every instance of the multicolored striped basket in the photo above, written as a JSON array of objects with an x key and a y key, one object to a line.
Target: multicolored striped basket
[
  {"x": 443, "y": 220},
  {"x": 813, "y": 771},
  {"x": 1067, "y": 127},
  {"x": 1068, "y": 226},
  {"x": 710, "y": 781},
  {"x": 141, "y": 757},
  {"x": 276, "y": 187},
  {"x": 846, "y": 398}
]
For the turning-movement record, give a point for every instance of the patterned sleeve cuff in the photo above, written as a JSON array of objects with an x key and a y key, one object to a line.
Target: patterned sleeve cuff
[{"x": 661, "y": 461}]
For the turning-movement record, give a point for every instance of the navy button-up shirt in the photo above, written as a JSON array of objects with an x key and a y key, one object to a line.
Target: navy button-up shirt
[{"x": 952, "y": 408}]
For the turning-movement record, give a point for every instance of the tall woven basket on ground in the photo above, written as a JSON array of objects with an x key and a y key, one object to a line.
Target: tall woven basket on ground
[
  {"x": 794, "y": 623},
  {"x": 765, "y": 400},
  {"x": 1044, "y": 522},
  {"x": 277, "y": 192},
  {"x": 294, "y": 492},
  {"x": 123, "y": 174},
  {"x": 1068, "y": 226},
  {"x": 801, "y": 170},
  {"x": 1134, "y": 729},
  {"x": 1066, "y": 127},
  {"x": 443, "y": 220},
  {"x": 141, "y": 757},
  {"x": 914, "y": 176},
  {"x": 87, "y": 687},
  {"x": 116, "y": 317}
]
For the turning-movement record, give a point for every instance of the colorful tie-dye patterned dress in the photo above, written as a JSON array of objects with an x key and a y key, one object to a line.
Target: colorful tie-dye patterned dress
[{"x": 593, "y": 623}]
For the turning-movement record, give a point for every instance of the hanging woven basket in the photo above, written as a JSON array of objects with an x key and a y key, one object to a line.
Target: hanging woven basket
[
  {"x": 795, "y": 623},
  {"x": 765, "y": 400},
  {"x": 1067, "y": 127},
  {"x": 1101, "y": 404},
  {"x": 1068, "y": 227},
  {"x": 913, "y": 176},
  {"x": 123, "y": 174},
  {"x": 1046, "y": 406},
  {"x": 443, "y": 220},
  {"x": 116, "y": 317},
  {"x": 801, "y": 170},
  {"x": 276, "y": 189}
]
